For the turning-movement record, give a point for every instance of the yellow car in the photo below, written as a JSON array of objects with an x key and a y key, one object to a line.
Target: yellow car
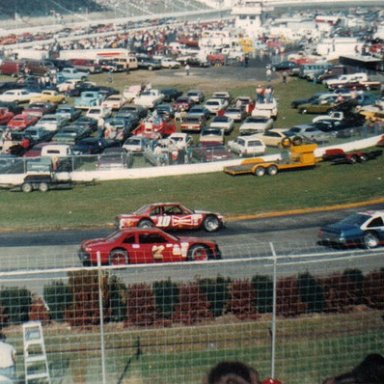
[{"x": 49, "y": 96}]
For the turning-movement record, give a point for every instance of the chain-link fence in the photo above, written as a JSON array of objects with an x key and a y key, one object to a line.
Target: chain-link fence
[{"x": 295, "y": 315}]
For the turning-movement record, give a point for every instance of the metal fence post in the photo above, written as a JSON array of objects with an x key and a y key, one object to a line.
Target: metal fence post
[
  {"x": 273, "y": 329},
  {"x": 102, "y": 344}
]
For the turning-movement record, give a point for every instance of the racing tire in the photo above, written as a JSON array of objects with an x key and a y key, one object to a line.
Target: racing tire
[
  {"x": 27, "y": 187},
  {"x": 211, "y": 223},
  {"x": 297, "y": 140},
  {"x": 362, "y": 158},
  {"x": 371, "y": 240},
  {"x": 198, "y": 252},
  {"x": 286, "y": 142},
  {"x": 150, "y": 68},
  {"x": 354, "y": 159},
  {"x": 260, "y": 171},
  {"x": 43, "y": 187},
  {"x": 272, "y": 170},
  {"x": 118, "y": 257},
  {"x": 145, "y": 223}
]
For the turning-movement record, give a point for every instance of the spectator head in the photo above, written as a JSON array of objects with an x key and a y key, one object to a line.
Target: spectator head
[{"x": 232, "y": 372}]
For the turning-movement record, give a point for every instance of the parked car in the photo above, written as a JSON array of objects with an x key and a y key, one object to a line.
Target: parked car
[
  {"x": 170, "y": 216},
  {"x": 150, "y": 245},
  {"x": 68, "y": 112},
  {"x": 115, "y": 157},
  {"x": 71, "y": 134},
  {"x": 147, "y": 62},
  {"x": 285, "y": 65},
  {"x": 18, "y": 96},
  {"x": 272, "y": 137},
  {"x": 37, "y": 133},
  {"x": 247, "y": 146},
  {"x": 89, "y": 99},
  {"x": 71, "y": 73},
  {"x": 361, "y": 228},
  {"x": 48, "y": 96},
  {"x": 53, "y": 122},
  {"x": 114, "y": 102},
  {"x": 215, "y": 105},
  {"x": 168, "y": 62},
  {"x": 319, "y": 106},
  {"x": 136, "y": 144},
  {"x": 238, "y": 114},
  {"x": 93, "y": 145},
  {"x": 212, "y": 134},
  {"x": 225, "y": 123},
  {"x": 170, "y": 94},
  {"x": 211, "y": 151},
  {"x": 21, "y": 121},
  {"x": 196, "y": 95},
  {"x": 255, "y": 124},
  {"x": 310, "y": 132},
  {"x": 199, "y": 111},
  {"x": 192, "y": 124}
]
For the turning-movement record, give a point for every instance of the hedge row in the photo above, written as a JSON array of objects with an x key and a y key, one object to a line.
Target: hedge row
[{"x": 165, "y": 302}]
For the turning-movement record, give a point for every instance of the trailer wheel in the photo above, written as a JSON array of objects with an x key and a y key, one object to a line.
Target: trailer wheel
[
  {"x": 26, "y": 187},
  {"x": 43, "y": 187},
  {"x": 272, "y": 170},
  {"x": 260, "y": 171}
]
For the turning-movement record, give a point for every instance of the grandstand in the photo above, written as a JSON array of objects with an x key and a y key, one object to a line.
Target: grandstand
[{"x": 25, "y": 10}]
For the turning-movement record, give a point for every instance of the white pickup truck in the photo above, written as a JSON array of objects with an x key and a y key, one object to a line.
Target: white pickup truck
[{"x": 149, "y": 98}]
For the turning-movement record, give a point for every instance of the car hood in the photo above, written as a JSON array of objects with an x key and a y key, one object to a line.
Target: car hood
[
  {"x": 342, "y": 228},
  {"x": 94, "y": 242}
]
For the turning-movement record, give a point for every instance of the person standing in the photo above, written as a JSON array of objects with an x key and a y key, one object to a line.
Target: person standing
[
  {"x": 7, "y": 358},
  {"x": 187, "y": 69},
  {"x": 268, "y": 74}
]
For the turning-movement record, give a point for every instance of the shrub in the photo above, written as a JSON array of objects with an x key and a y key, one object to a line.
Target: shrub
[
  {"x": 84, "y": 309},
  {"x": 288, "y": 300},
  {"x": 311, "y": 293},
  {"x": 373, "y": 289},
  {"x": 16, "y": 303},
  {"x": 118, "y": 299},
  {"x": 141, "y": 309},
  {"x": 263, "y": 287},
  {"x": 166, "y": 297},
  {"x": 242, "y": 301},
  {"x": 217, "y": 292},
  {"x": 193, "y": 306},
  {"x": 57, "y": 295}
]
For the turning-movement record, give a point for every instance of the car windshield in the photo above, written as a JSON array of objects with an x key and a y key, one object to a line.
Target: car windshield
[{"x": 355, "y": 219}]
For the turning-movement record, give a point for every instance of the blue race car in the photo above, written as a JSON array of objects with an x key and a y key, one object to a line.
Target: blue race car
[{"x": 361, "y": 228}]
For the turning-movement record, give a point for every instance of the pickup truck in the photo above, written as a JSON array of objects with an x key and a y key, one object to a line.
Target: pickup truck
[
  {"x": 48, "y": 96},
  {"x": 149, "y": 98},
  {"x": 294, "y": 157},
  {"x": 71, "y": 73},
  {"x": 89, "y": 99}
]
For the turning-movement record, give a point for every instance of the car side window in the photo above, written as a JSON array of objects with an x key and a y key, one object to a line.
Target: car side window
[
  {"x": 129, "y": 239},
  {"x": 151, "y": 238},
  {"x": 155, "y": 211},
  {"x": 377, "y": 222},
  {"x": 173, "y": 210}
]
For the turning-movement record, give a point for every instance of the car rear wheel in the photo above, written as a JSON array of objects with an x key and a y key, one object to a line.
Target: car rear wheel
[
  {"x": 118, "y": 257},
  {"x": 198, "y": 252},
  {"x": 26, "y": 187},
  {"x": 363, "y": 158},
  {"x": 211, "y": 223},
  {"x": 43, "y": 187},
  {"x": 303, "y": 111},
  {"x": 371, "y": 240},
  {"x": 260, "y": 171},
  {"x": 145, "y": 224},
  {"x": 272, "y": 170}
]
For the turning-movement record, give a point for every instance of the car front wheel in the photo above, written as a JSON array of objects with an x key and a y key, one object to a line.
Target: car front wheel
[
  {"x": 118, "y": 257},
  {"x": 43, "y": 187},
  {"x": 26, "y": 187},
  {"x": 211, "y": 223},
  {"x": 371, "y": 240},
  {"x": 198, "y": 252},
  {"x": 145, "y": 224}
]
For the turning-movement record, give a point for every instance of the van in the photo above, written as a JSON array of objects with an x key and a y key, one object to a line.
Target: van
[
  {"x": 128, "y": 63},
  {"x": 12, "y": 67},
  {"x": 311, "y": 71}
]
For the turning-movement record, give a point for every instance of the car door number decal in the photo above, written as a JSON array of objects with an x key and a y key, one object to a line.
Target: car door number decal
[
  {"x": 164, "y": 221},
  {"x": 157, "y": 252}
]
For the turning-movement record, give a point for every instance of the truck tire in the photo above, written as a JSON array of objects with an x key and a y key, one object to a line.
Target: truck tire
[
  {"x": 260, "y": 171},
  {"x": 27, "y": 187},
  {"x": 272, "y": 170},
  {"x": 43, "y": 187}
]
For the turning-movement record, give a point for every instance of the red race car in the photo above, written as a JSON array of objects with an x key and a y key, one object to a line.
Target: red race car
[
  {"x": 150, "y": 245},
  {"x": 170, "y": 216}
]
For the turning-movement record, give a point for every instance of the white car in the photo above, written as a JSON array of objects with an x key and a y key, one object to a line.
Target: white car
[
  {"x": 67, "y": 85},
  {"x": 236, "y": 113},
  {"x": 167, "y": 62},
  {"x": 180, "y": 140},
  {"x": 99, "y": 114},
  {"x": 214, "y": 105},
  {"x": 225, "y": 123},
  {"x": 114, "y": 102},
  {"x": 196, "y": 95},
  {"x": 266, "y": 109},
  {"x": 52, "y": 122},
  {"x": 212, "y": 135},
  {"x": 255, "y": 124},
  {"x": 136, "y": 144},
  {"x": 18, "y": 96},
  {"x": 247, "y": 146},
  {"x": 223, "y": 95}
]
